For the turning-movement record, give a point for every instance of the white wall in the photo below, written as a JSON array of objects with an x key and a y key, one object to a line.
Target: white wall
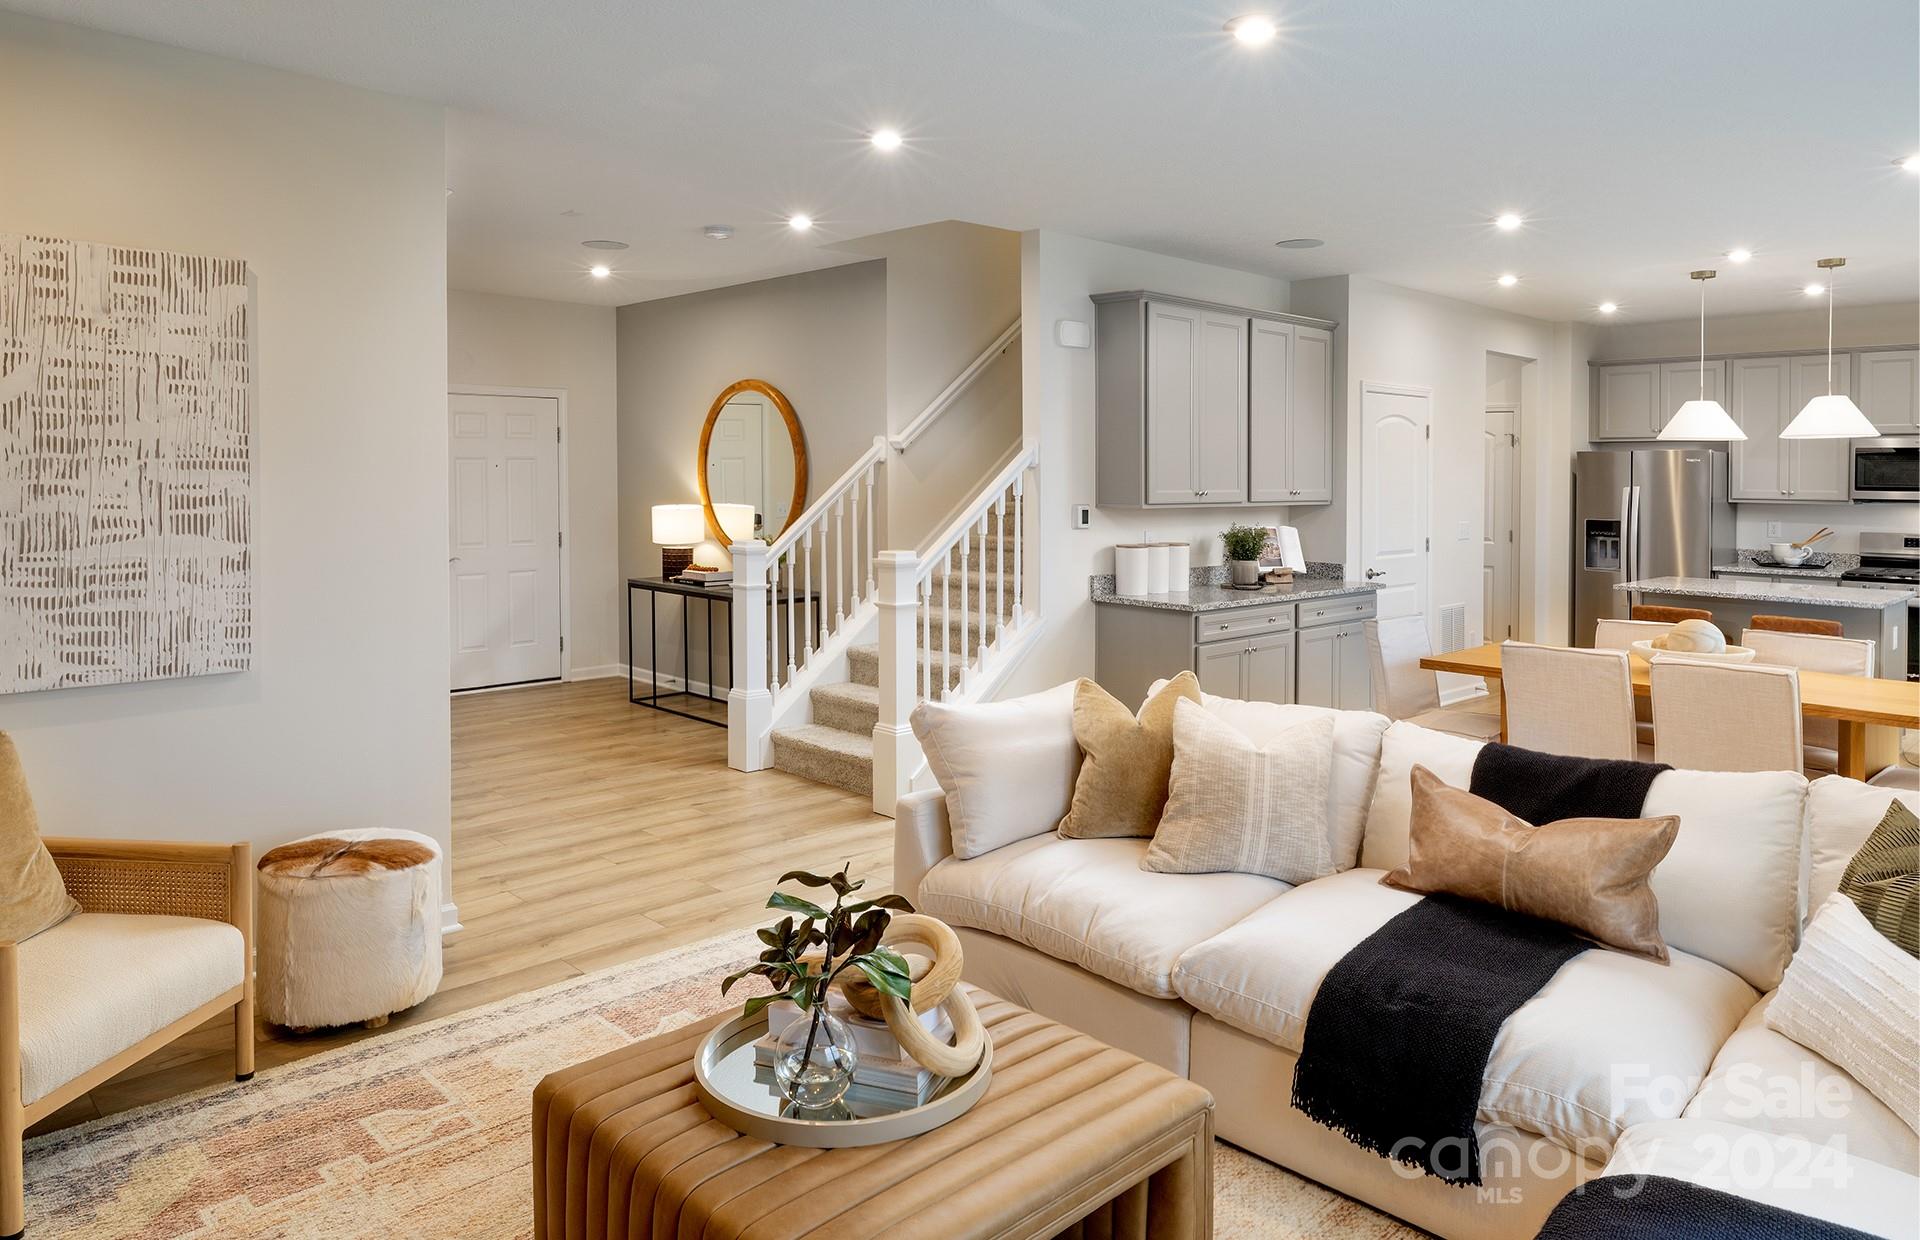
[
  {"x": 522, "y": 342},
  {"x": 952, "y": 288},
  {"x": 1058, "y": 273},
  {"x": 336, "y": 198},
  {"x": 818, "y": 337},
  {"x": 1801, "y": 328}
]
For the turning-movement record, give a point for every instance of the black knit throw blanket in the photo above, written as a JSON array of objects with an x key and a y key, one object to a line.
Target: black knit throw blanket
[
  {"x": 1398, "y": 1036},
  {"x": 1654, "y": 1207}
]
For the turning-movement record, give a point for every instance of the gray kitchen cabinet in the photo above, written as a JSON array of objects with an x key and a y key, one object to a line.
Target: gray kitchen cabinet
[
  {"x": 1256, "y": 670},
  {"x": 1764, "y": 394},
  {"x": 1332, "y": 667},
  {"x": 1189, "y": 395},
  {"x": 1889, "y": 389},
  {"x": 1681, "y": 382},
  {"x": 1290, "y": 414},
  {"x": 1627, "y": 402}
]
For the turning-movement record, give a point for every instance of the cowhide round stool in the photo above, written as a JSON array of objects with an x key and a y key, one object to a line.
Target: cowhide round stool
[{"x": 348, "y": 928}]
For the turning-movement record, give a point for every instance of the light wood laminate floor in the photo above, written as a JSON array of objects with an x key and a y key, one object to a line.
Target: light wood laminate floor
[{"x": 586, "y": 832}]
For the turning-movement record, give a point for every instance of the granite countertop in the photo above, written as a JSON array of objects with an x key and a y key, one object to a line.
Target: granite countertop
[
  {"x": 1812, "y": 593},
  {"x": 1219, "y": 597},
  {"x": 1747, "y": 564}
]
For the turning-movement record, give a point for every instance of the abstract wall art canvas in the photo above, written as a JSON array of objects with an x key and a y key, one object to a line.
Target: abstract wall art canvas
[{"x": 126, "y": 464}]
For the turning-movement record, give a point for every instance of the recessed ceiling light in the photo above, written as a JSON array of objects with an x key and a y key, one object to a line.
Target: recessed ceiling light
[
  {"x": 1814, "y": 290},
  {"x": 1508, "y": 280},
  {"x": 718, "y": 232},
  {"x": 1253, "y": 29},
  {"x": 599, "y": 272},
  {"x": 1910, "y": 164},
  {"x": 1740, "y": 255},
  {"x": 885, "y": 139},
  {"x": 1300, "y": 243},
  {"x": 1607, "y": 307},
  {"x": 1508, "y": 222},
  {"x": 605, "y": 245},
  {"x": 799, "y": 223}
]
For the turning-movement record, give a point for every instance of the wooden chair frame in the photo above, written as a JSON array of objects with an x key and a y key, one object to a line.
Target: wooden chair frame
[{"x": 214, "y": 881}]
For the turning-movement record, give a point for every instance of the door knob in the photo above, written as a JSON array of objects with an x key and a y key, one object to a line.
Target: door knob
[{"x": 1374, "y": 572}]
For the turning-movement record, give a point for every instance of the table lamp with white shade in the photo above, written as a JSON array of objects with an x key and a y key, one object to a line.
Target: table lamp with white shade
[
  {"x": 737, "y": 521},
  {"x": 678, "y": 528}
]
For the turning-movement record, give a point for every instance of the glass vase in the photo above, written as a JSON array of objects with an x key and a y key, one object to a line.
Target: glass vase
[{"x": 814, "y": 1060}]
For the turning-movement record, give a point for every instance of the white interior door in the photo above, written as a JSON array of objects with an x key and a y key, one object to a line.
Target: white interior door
[
  {"x": 736, "y": 454},
  {"x": 1393, "y": 495},
  {"x": 1501, "y": 560},
  {"x": 503, "y": 553}
]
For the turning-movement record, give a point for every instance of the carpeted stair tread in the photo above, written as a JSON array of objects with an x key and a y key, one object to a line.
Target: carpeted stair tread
[
  {"x": 848, "y": 707},
  {"x": 826, "y": 756},
  {"x": 863, "y": 664}
]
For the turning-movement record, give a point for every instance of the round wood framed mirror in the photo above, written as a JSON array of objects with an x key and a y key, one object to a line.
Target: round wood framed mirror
[{"x": 752, "y": 452}]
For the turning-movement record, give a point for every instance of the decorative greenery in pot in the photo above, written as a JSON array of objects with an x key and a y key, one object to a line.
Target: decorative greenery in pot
[
  {"x": 815, "y": 1060},
  {"x": 1244, "y": 543}
]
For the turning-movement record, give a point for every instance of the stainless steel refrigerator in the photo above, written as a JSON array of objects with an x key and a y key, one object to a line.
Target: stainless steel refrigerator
[{"x": 1652, "y": 512}]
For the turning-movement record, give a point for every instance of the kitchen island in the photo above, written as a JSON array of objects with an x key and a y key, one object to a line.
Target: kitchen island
[{"x": 1876, "y": 614}]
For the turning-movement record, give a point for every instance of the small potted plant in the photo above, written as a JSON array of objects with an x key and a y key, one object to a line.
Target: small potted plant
[
  {"x": 815, "y": 1060},
  {"x": 1244, "y": 543}
]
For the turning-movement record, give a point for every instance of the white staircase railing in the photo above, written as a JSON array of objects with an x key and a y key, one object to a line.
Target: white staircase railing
[
  {"x": 797, "y": 599},
  {"x": 964, "y": 380},
  {"x": 945, "y": 633}
]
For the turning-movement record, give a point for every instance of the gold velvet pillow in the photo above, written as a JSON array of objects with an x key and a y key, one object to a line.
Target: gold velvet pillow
[
  {"x": 1589, "y": 874},
  {"x": 32, "y": 895},
  {"x": 1122, "y": 786}
]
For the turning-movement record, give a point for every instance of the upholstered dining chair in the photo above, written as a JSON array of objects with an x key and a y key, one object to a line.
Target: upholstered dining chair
[
  {"x": 162, "y": 943},
  {"x": 1402, "y": 689},
  {"x": 1668, "y": 615},
  {"x": 1568, "y": 701},
  {"x": 1843, "y": 656},
  {"x": 1725, "y": 716},
  {"x": 1612, "y": 634},
  {"x": 1796, "y": 624}
]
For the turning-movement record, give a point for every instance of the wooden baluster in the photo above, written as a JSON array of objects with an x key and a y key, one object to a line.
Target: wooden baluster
[
  {"x": 966, "y": 540},
  {"x": 1000, "y": 570},
  {"x": 923, "y": 652},
  {"x": 984, "y": 527},
  {"x": 787, "y": 560},
  {"x": 872, "y": 547},
  {"x": 841, "y": 519},
  {"x": 1019, "y": 533},
  {"x": 806, "y": 595},
  {"x": 946, "y": 628}
]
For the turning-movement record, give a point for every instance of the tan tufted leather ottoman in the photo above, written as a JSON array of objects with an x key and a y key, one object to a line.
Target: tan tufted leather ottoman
[{"x": 1073, "y": 1139}]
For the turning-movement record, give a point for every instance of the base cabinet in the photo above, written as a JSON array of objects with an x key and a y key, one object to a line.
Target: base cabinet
[
  {"x": 1332, "y": 668},
  {"x": 1260, "y": 670}
]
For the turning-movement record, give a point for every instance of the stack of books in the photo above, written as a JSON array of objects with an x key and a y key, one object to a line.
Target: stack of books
[
  {"x": 700, "y": 576},
  {"x": 882, "y": 1066}
]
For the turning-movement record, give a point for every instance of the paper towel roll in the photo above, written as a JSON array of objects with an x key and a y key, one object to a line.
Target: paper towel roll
[{"x": 1130, "y": 568}]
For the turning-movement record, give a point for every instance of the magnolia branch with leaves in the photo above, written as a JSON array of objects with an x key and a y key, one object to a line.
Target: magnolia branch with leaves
[{"x": 848, "y": 936}]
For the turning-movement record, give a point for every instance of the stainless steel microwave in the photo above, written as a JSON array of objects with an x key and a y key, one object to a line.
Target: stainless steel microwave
[{"x": 1886, "y": 469}]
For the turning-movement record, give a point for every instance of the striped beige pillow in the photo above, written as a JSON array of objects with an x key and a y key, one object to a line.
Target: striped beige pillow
[
  {"x": 1851, "y": 995},
  {"x": 1236, "y": 806},
  {"x": 1884, "y": 878}
]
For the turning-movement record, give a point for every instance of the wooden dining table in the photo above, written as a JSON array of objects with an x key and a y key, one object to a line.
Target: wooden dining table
[{"x": 1855, "y": 702}]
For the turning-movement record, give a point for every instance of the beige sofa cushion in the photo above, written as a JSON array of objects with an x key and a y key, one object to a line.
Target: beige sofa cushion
[
  {"x": 98, "y": 983},
  {"x": 1786, "y": 1172},
  {"x": 1088, "y": 902},
  {"x": 1763, "y": 1079},
  {"x": 1356, "y": 759},
  {"x": 1007, "y": 767},
  {"x": 1727, "y": 886},
  {"x": 32, "y": 894},
  {"x": 1553, "y": 1066},
  {"x": 1841, "y": 814},
  {"x": 1125, "y": 759}
]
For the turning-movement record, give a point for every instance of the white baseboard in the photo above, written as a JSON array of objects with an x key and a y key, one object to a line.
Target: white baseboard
[
  {"x": 601, "y": 671},
  {"x": 1466, "y": 691},
  {"x": 450, "y": 919},
  {"x": 668, "y": 684}
]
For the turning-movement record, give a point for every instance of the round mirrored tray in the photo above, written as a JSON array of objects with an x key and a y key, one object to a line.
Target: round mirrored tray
[{"x": 741, "y": 1093}]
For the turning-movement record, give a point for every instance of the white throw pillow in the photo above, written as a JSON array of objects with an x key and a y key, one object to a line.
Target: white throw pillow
[
  {"x": 1356, "y": 759},
  {"x": 1007, "y": 768},
  {"x": 1853, "y": 996},
  {"x": 1237, "y": 807},
  {"x": 1390, "y": 819}
]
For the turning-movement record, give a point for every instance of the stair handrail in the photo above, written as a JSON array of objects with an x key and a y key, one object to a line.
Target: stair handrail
[
  {"x": 952, "y": 392},
  {"x": 816, "y": 511},
  {"x": 995, "y": 489}
]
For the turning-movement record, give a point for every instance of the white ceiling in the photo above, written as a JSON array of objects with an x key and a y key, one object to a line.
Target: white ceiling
[{"x": 1641, "y": 138}]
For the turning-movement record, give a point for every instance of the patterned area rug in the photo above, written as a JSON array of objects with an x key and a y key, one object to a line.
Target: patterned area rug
[{"x": 424, "y": 1132}]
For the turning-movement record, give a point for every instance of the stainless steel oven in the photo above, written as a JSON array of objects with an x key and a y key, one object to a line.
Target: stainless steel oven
[{"x": 1886, "y": 469}]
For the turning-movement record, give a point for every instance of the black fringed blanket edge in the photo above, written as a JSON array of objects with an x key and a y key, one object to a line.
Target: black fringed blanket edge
[{"x": 1656, "y": 1207}]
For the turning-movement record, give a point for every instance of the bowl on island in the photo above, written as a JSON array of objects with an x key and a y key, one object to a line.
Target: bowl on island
[
  {"x": 1788, "y": 554},
  {"x": 1644, "y": 651}
]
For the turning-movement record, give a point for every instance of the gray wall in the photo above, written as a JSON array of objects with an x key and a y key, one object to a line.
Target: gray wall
[{"x": 819, "y": 337}]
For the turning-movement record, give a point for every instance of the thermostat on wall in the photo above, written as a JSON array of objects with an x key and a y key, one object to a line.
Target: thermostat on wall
[
  {"x": 1082, "y": 517},
  {"x": 1073, "y": 334}
]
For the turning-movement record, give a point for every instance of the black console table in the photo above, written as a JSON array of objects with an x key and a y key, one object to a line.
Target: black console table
[{"x": 722, "y": 593}]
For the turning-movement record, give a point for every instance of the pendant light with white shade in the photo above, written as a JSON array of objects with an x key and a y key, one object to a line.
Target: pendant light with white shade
[
  {"x": 1833, "y": 416},
  {"x": 1702, "y": 418}
]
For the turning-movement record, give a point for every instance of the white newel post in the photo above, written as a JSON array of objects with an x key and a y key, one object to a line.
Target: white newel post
[
  {"x": 750, "y": 701},
  {"x": 895, "y": 751}
]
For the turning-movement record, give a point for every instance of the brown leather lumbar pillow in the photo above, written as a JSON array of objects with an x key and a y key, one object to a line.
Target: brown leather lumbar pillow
[
  {"x": 1122, "y": 786},
  {"x": 1589, "y": 874}
]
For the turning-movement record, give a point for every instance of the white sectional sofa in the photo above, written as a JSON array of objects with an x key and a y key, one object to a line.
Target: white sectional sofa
[{"x": 1212, "y": 975}]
